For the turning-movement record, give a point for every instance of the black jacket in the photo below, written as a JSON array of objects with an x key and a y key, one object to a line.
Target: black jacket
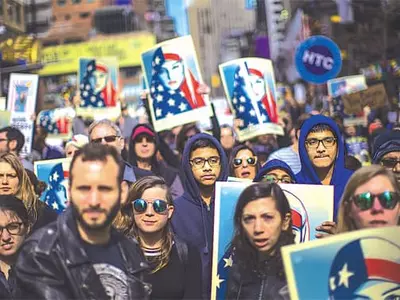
[{"x": 53, "y": 264}]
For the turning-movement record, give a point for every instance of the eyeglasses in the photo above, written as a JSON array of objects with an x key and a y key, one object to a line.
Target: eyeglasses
[
  {"x": 108, "y": 139},
  {"x": 390, "y": 162},
  {"x": 274, "y": 178},
  {"x": 326, "y": 142},
  {"x": 159, "y": 206},
  {"x": 200, "y": 162},
  {"x": 14, "y": 228},
  {"x": 387, "y": 199},
  {"x": 239, "y": 161}
]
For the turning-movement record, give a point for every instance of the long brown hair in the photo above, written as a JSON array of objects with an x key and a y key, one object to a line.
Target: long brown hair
[
  {"x": 125, "y": 221},
  {"x": 26, "y": 191},
  {"x": 360, "y": 177}
]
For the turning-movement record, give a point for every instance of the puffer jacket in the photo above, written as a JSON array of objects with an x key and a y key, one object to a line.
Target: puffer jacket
[{"x": 53, "y": 264}]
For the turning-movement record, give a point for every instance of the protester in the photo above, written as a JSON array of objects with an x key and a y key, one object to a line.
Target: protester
[
  {"x": 228, "y": 139},
  {"x": 322, "y": 156},
  {"x": 203, "y": 163},
  {"x": 263, "y": 225},
  {"x": 243, "y": 163},
  {"x": 76, "y": 143},
  {"x": 275, "y": 171},
  {"x": 81, "y": 256},
  {"x": 15, "y": 181},
  {"x": 41, "y": 149},
  {"x": 175, "y": 265},
  {"x": 106, "y": 132},
  {"x": 14, "y": 228},
  {"x": 143, "y": 148},
  {"x": 371, "y": 199},
  {"x": 386, "y": 151},
  {"x": 12, "y": 140}
]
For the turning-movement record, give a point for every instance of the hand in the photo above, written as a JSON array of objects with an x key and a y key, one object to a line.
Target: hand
[
  {"x": 144, "y": 94},
  {"x": 328, "y": 227},
  {"x": 203, "y": 89}
]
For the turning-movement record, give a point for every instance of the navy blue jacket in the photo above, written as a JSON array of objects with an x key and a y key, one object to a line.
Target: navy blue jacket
[
  {"x": 274, "y": 164},
  {"x": 193, "y": 220},
  {"x": 308, "y": 175}
]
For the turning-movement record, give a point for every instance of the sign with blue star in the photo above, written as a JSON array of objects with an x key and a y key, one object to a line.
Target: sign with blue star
[
  {"x": 57, "y": 122},
  {"x": 55, "y": 174},
  {"x": 364, "y": 264},
  {"x": 250, "y": 88},
  {"x": 307, "y": 214},
  {"x": 172, "y": 75}
]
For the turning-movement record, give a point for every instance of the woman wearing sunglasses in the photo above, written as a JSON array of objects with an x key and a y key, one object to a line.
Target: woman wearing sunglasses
[
  {"x": 275, "y": 171},
  {"x": 243, "y": 163},
  {"x": 14, "y": 228},
  {"x": 175, "y": 266},
  {"x": 371, "y": 199}
]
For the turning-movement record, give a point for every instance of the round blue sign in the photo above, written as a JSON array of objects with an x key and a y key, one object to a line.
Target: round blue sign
[{"x": 318, "y": 59}]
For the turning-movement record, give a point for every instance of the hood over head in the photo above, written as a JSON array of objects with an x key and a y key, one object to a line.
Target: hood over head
[
  {"x": 272, "y": 165},
  {"x": 384, "y": 143},
  {"x": 136, "y": 131}
]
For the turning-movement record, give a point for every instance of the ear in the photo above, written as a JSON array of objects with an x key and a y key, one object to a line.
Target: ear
[
  {"x": 171, "y": 209},
  {"x": 121, "y": 143},
  {"x": 286, "y": 221},
  {"x": 124, "y": 192},
  {"x": 12, "y": 145}
]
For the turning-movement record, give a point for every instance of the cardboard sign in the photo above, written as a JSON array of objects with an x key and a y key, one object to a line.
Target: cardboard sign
[{"x": 374, "y": 97}]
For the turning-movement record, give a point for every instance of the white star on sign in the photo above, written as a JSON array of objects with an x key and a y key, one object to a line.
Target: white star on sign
[
  {"x": 228, "y": 262},
  {"x": 160, "y": 88},
  {"x": 169, "y": 115},
  {"x": 55, "y": 205},
  {"x": 344, "y": 275},
  {"x": 241, "y": 108},
  {"x": 90, "y": 68},
  {"x": 172, "y": 92},
  {"x": 158, "y": 112},
  {"x": 100, "y": 104},
  {"x": 263, "y": 118},
  {"x": 182, "y": 94},
  {"x": 182, "y": 106},
  {"x": 171, "y": 102},
  {"x": 93, "y": 98},
  {"x": 234, "y": 100},
  {"x": 85, "y": 94},
  {"x": 252, "y": 112},
  {"x": 332, "y": 283},
  {"x": 87, "y": 87},
  {"x": 159, "y": 98},
  {"x": 242, "y": 99},
  {"x": 56, "y": 176},
  {"x": 157, "y": 60},
  {"x": 218, "y": 281},
  {"x": 153, "y": 90}
]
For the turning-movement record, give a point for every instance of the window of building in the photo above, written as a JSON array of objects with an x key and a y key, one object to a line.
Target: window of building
[
  {"x": 67, "y": 17},
  {"x": 61, "y": 2},
  {"x": 18, "y": 11},
  {"x": 73, "y": 40},
  {"x": 84, "y": 15},
  {"x": 76, "y": 1}
]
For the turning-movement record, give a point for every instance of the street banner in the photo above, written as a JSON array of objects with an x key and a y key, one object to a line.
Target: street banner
[
  {"x": 57, "y": 122},
  {"x": 250, "y": 88},
  {"x": 55, "y": 174},
  {"x": 307, "y": 214},
  {"x": 363, "y": 264},
  {"x": 98, "y": 88},
  {"x": 172, "y": 74},
  {"x": 21, "y": 103}
]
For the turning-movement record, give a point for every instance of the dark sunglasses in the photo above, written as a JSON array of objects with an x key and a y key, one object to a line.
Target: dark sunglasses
[
  {"x": 108, "y": 139},
  {"x": 390, "y": 162},
  {"x": 159, "y": 206},
  {"x": 387, "y": 199},
  {"x": 237, "y": 162}
]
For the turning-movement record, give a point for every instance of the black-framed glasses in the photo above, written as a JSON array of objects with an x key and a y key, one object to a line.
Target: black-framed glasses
[
  {"x": 200, "y": 162},
  {"x": 237, "y": 162},
  {"x": 387, "y": 199},
  {"x": 107, "y": 139},
  {"x": 390, "y": 162},
  {"x": 14, "y": 228},
  {"x": 327, "y": 142},
  {"x": 159, "y": 206},
  {"x": 274, "y": 178}
]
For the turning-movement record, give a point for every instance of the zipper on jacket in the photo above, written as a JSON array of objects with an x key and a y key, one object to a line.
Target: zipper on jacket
[{"x": 262, "y": 288}]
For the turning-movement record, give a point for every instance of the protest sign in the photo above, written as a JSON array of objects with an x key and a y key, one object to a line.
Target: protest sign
[
  {"x": 98, "y": 88},
  {"x": 249, "y": 85},
  {"x": 374, "y": 97},
  {"x": 357, "y": 146},
  {"x": 2, "y": 103},
  {"x": 311, "y": 205},
  {"x": 172, "y": 74},
  {"x": 364, "y": 264},
  {"x": 22, "y": 94},
  {"x": 346, "y": 85},
  {"x": 55, "y": 174},
  {"x": 57, "y": 122}
]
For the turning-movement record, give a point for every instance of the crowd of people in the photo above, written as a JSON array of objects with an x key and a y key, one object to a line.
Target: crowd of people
[{"x": 139, "y": 224}]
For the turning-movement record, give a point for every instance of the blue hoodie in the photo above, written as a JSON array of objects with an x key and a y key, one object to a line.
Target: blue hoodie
[
  {"x": 271, "y": 165},
  {"x": 307, "y": 175},
  {"x": 193, "y": 220}
]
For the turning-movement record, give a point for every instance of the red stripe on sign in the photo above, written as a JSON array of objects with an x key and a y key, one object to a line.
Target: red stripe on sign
[
  {"x": 172, "y": 56},
  {"x": 383, "y": 269},
  {"x": 296, "y": 219},
  {"x": 66, "y": 174}
]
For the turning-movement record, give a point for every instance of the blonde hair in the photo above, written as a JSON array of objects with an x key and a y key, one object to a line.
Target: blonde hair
[
  {"x": 26, "y": 191},
  {"x": 360, "y": 177},
  {"x": 125, "y": 221}
]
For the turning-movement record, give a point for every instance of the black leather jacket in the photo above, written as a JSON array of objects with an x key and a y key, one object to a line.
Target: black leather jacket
[{"x": 53, "y": 265}]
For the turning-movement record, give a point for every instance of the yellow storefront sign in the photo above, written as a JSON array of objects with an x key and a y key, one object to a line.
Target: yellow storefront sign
[{"x": 127, "y": 48}]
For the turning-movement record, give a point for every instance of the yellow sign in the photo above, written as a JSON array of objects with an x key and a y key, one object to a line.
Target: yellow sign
[
  {"x": 127, "y": 48},
  {"x": 21, "y": 48}
]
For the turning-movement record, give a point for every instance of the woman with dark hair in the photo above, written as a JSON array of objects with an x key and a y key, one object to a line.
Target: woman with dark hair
[
  {"x": 175, "y": 265},
  {"x": 14, "y": 228},
  {"x": 243, "y": 163},
  {"x": 262, "y": 225}
]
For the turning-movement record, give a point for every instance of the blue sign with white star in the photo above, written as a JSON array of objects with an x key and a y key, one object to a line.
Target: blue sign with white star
[
  {"x": 360, "y": 265},
  {"x": 318, "y": 59}
]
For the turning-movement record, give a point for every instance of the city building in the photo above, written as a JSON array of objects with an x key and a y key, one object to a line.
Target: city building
[{"x": 38, "y": 16}]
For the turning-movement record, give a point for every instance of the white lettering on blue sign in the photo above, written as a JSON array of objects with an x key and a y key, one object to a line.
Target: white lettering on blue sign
[{"x": 318, "y": 59}]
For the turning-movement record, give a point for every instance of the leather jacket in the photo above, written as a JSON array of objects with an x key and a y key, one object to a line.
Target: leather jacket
[{"x": 53, "y": 264}]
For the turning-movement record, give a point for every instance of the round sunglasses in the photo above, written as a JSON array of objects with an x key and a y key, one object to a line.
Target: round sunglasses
[
  {"x": 365, "y": 201},
  {"x": 237, "y": 162},
  {"x": 159, "y": 206}
]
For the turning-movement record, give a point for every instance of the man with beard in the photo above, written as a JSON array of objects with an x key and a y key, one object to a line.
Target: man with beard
[{"x": 81, "y": 256}]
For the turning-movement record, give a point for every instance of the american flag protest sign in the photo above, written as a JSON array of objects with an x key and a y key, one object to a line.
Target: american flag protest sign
[
  {"x": 172, "y": 74},
  {"x": 57, "y": 122}
]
